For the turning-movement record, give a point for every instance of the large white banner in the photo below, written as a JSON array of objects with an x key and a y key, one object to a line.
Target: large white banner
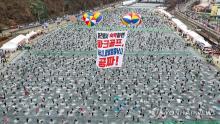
[{"x": 110, "y": 48}]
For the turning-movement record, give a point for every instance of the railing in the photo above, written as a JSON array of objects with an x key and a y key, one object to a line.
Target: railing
[{"x": 198, "y": 24}]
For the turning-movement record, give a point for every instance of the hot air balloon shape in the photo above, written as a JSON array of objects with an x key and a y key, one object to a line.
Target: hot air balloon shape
[
  {"x": 92, "y": 19},
  {"x": 131, "y": 19}
]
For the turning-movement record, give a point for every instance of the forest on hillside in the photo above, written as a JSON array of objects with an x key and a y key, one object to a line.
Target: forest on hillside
[{"x": 15, "y": 12}]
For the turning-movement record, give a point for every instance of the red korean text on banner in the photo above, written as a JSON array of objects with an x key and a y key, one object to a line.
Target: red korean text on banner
[{"x": 110, "y": 48}]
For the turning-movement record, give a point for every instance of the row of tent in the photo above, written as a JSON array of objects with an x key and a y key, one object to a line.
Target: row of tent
[
  {"x": 183, "y": 29},
  {"x": 20, "y": 40}
]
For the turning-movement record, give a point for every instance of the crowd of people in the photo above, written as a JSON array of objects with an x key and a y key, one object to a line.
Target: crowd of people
[{"x": 61, "y": 88}]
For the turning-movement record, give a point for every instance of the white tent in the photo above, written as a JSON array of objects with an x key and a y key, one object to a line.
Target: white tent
[
  {"x": 194, "y": 35},
  {"x": 13, "y": 44},
  {"x": 198, "y": 38},
  {"x": 11, "y": 47},
  {"x": 165, "y": 13},
  {"x": 18, "y": 40},
  {"x": 128, "y": 2},
  {"x": 184, "y": 29},
  {"x": 202, "y": 41},
  {"x": 179, "y": 23},
  {"x": 31, "y": 34},
  {"x": 39, "y": 31}
]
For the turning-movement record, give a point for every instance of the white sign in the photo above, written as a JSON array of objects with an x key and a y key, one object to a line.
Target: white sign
[{"x": 110, "y": 48}]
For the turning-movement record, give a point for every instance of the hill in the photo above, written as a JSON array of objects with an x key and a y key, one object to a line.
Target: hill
[{"x": 15, "y": 12}]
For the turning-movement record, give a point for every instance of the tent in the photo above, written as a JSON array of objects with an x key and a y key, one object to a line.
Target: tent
[
  {"x": 30, "y": 35},
  {"x": 9, "y": 47},
  {"x": 198, "y": 38},
  {"x": 184, "y": 29},
  {"x": 203, "y": 42},
  {"x": 179, "y": 23},
  {"x": 20, "y": 39},
  {"x": 13, "y": 44},
  {"x": 194, "y": 35},
  {"x": 39, "y": 31},
  {"x": 129, "y": 2},
  {"x": 165, "y": 13}
]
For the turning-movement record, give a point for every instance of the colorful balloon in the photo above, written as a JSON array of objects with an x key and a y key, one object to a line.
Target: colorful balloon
[
  {"x": 131, "y": 19},
  {"x": 92, "y": 19}
]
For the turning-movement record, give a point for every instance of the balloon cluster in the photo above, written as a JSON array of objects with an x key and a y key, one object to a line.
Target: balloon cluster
[
  {"x": 131, "y": 19},
  {"x": 92, "y": 19}
]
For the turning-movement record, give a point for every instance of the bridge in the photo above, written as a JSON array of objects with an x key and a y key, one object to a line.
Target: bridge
[{"x": 151, "y": 1}]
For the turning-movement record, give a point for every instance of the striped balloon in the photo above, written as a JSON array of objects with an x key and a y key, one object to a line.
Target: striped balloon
[
  {"x": 92, "y": 19},
  {"x": 131, "y": 19}
]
